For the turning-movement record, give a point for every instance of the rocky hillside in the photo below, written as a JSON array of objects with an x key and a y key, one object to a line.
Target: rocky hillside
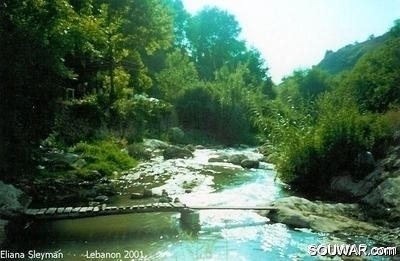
[{"x": 346, "y": 57}]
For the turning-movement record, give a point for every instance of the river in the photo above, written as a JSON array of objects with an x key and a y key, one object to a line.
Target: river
[{"x": 224, "y": 234}]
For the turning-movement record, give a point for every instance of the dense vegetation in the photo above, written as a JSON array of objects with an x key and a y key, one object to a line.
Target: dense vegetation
[
  {"x": 94, "y": 77},
  {"x": 93, "y": 70},
  {"x": 322, "y": 122}
]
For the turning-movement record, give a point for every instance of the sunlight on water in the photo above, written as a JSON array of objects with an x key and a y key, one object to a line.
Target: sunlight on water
[
  {"x": 260, "y": 190},
  {"x": 219, "y": 219}
]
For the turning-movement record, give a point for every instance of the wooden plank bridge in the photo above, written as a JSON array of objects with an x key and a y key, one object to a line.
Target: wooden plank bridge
[
  {"x": 85, "y": 212},
  {"x": 189, "y": 214}
]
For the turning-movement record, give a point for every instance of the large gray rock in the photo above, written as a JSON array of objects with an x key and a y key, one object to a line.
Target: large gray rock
[
  {"x": 250, "y": 164},
  {"x": 147, "y": 149},
  {"x": 237, "y": 159},
  {"x": 174, "y": 152},
  {"x": 220, "y": 158},
  {"x": 245, "y": 158},
  {"x": 11, "y": 200},
  {"x": 391, "y": 162},
  {"x": 298, "y": 212},
  {"x": 385, "y": 199},
  {"x": 353, "y": 190}
]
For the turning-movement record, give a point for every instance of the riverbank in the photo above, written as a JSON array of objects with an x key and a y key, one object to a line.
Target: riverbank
[
  {"x": 345, "y": 220},
  {"x": 371, "y": 205}
]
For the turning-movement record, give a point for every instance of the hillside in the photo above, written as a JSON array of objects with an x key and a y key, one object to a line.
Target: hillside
[{"x": 346, "y": 57}]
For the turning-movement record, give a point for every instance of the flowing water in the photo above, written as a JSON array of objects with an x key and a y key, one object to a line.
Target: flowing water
[{"x": 224, "y": 234}]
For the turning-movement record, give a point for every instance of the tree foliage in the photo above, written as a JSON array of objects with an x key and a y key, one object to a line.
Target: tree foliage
[
  {"x": 179, "y": 75},
  {"x": 375, "y": 80},
  {"x": 34, "y": 39},
  {"x": 213, "y": 40},
  {"x": 65, "y": 44}
]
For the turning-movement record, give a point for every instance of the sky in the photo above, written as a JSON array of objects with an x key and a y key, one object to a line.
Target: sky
[{"x": 295, "y": 34}]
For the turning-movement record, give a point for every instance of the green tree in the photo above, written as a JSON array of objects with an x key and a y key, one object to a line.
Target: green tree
[
  {"x": 309, "y": 83},
  {"x": 116, "y": 36},
  {"x": 375, "y": 79},
  {"x": 213, "y": 40},
  {"x": 178, "y": 75},
  {"x": 180, "y": 20}
]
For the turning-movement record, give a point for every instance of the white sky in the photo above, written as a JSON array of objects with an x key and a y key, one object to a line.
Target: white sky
[{"x": 294, "y": 34}]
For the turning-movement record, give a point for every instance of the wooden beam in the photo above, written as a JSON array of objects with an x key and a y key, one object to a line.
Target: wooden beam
[{"x": 232, "y": 207}]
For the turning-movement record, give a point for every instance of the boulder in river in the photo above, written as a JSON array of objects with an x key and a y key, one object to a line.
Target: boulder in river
[
  {"x": 154, "y": 144},
  {"x": 220, "y": 158},
  {"x": 174, "y": 152},
  {"x": 298, "y": 212},
  {"x": 250, "y": 164},
  {"x": 237, "y": 159}
]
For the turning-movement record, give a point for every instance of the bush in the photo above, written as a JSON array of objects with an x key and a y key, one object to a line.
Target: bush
[
  {"x": 297, "y": 154},
  {"x": 311, "y": 155},
  {"x": 104, "y": 156}
]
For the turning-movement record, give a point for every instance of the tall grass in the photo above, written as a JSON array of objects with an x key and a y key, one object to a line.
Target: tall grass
[
  {"x": 104, "y": 156},
  {"x": 314, "y": 144}
]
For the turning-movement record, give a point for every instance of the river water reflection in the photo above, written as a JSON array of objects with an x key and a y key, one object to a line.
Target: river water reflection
[{"x": 224, "y": 234}]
